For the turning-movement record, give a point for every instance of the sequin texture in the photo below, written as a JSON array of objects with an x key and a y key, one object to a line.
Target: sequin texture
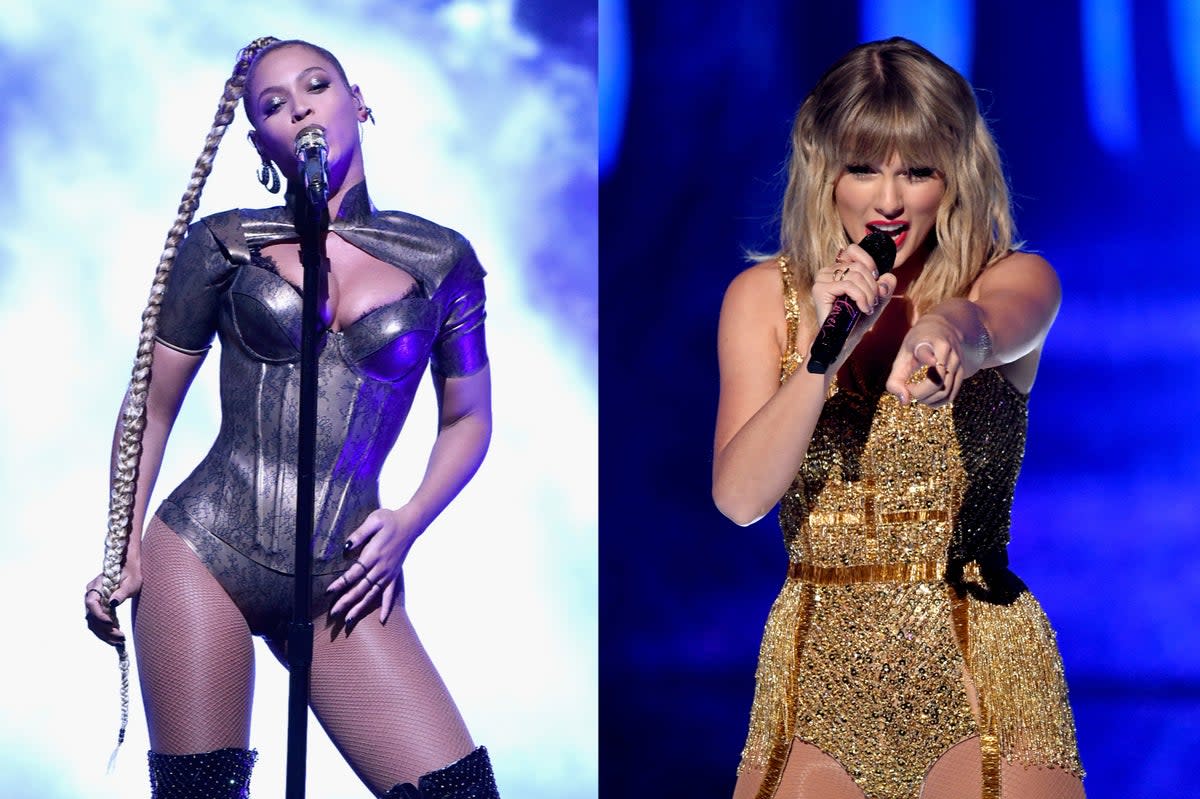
[
  {"x": 896, "y": 530},
  {"x": 470, "y": 777},
  {"x": 223, "y": 774}
]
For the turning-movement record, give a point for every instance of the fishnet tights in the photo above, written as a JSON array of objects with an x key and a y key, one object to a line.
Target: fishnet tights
[
  {"x": 381, "y": 700},
  {"x": 194, "y": 654},
  {"x": 812, "y": 774},
  {"x": 375, "y": 691}
]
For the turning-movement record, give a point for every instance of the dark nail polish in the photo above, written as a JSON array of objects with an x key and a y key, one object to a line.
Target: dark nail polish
[
  {"x": 349, "y": 546},
  {"x": 112, "y": 603}
]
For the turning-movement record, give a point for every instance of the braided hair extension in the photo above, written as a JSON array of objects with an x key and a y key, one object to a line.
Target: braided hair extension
[{"x": 133, "y": 419}]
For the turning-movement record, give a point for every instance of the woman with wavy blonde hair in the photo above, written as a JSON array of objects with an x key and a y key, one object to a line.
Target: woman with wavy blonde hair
[
  {"x": 215, "y": 563},
  {"x": 902, "y": 658}
]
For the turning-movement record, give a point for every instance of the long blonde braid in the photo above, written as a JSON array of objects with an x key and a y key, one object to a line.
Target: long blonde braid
[{"x": 133, "y": 419}]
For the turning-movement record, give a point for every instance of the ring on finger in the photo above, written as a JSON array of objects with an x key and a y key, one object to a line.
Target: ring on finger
[
  {"x": 841, "y": 275},
  {"x": 942, "y": 372},
  {"x": 921, "y": 344},
  {"x": 366, "y": 576}
]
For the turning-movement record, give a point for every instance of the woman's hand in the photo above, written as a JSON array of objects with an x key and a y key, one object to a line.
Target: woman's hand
[
  {"x": 383, "y": 541},
  {"x": 852, "y": 275},
  {"x": 384, "y": 538},
  {"x": 101, "y": 616},
  {"x": 1002, "y": 323},
  {"x": 933, "y": 346}
]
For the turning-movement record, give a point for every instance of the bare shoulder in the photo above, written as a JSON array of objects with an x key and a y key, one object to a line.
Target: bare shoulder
[
  {"x": 1027, "y": 266},
  {"x": 1024, "y": 272},
  {"x": 761, "y": 283},
  {"x": 754, "y": 299}
]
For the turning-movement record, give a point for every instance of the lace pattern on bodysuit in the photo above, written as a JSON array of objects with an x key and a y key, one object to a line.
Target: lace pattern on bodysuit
[
  {"x": 237, "y": 508},
  {"x": 896, "y": 529}
]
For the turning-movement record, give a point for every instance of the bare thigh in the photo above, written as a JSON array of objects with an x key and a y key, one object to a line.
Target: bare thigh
[
  {"x": 809, "y": 774},
  {"x": 1018, "y": 782},
  {"x": 958, "y": 773},
  {"x": 382, "y": 701},
  {"x": 812, "y": 774},
  {"x": 195, "y": 656}
]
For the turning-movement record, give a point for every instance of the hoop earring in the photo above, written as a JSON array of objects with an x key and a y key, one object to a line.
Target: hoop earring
[{"x": 269, "y": 176}]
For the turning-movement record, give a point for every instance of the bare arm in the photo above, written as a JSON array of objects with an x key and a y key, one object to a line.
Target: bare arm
[
  {"x": 171, "y": 376},
  {"x": 464, "y": 432},
  {"x": 385, "y": 537},
  {"x": 1003, "y": 322},
  {"x": 764, "y": 428}
]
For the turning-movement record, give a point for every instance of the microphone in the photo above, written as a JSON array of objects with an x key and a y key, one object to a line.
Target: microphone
[
  {"x": 311, "y": 151},
  {"x": 844, "y": 314}
]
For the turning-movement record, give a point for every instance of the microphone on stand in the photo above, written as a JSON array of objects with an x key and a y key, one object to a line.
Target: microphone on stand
[
  {"x": 842, "y": 317},
  {"x": 312, "y": 219},
  {"x": 311, "y": 152}
]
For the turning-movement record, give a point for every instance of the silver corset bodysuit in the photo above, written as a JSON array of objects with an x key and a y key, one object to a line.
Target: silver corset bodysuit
[{"x": 237, "y": 509}]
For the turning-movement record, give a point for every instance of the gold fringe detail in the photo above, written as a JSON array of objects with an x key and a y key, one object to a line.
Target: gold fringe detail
[
  {"x": 989, "y": 744},
  {"x": 960, "y": 617},
  {"x": 1011, "y": 655},
  {"x": 1018, "y": 673},
  {"x": 869, "y": 573},
  {"x": 773, "y": 715}
]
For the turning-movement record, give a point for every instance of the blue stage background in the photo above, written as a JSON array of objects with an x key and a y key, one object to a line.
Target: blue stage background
[{"x": 1096, "y": 108}]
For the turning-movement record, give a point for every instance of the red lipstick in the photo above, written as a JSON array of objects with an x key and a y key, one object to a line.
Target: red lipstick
[{"x": 898, "y": 230}]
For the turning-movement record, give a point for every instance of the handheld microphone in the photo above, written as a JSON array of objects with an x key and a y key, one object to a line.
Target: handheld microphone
[
  {"x": 311, "y": 151},
  {"x": 844, "y": 314}
]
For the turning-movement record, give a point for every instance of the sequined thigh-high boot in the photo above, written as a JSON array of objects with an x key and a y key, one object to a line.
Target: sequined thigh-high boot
[
  {"x": 468, "y": 778},
  {"x": 223, "y": 774}
]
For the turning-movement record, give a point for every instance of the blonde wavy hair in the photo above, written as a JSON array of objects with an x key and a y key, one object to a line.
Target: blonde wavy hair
[{"x": 894, "y": 96}]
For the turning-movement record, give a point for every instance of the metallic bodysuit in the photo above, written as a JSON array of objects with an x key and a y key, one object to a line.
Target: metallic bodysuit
[
  {"x": 898, "y": 591},
  {"x": 237, "y": 510}
]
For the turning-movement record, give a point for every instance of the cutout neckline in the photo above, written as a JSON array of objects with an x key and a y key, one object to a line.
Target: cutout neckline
[{"x": 268, "y": 264}]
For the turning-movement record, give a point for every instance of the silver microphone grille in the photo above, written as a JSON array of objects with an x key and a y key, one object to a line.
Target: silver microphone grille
[{"x": 310, "y": 137}]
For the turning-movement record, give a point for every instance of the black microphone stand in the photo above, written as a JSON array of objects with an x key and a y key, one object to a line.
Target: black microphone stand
[{"x": 312, "y": 220}]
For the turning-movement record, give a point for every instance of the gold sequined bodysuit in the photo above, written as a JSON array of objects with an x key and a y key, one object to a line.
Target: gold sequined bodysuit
[{"x": 898, "y": 592}]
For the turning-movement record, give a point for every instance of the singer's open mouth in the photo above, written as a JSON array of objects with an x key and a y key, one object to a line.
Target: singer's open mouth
[
  {"x": 888, "y": 229},
  {"x": 897, "y": 230}
]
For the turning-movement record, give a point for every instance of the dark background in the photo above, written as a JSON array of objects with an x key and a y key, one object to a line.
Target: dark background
[{"x": 1094, "y": 107}]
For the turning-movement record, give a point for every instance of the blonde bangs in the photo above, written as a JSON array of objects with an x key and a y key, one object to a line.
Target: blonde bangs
[{"x": 870, "y": 133}]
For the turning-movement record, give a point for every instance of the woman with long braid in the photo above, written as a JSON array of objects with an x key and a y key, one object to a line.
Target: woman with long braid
[{"x": 214, "y": 565}]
